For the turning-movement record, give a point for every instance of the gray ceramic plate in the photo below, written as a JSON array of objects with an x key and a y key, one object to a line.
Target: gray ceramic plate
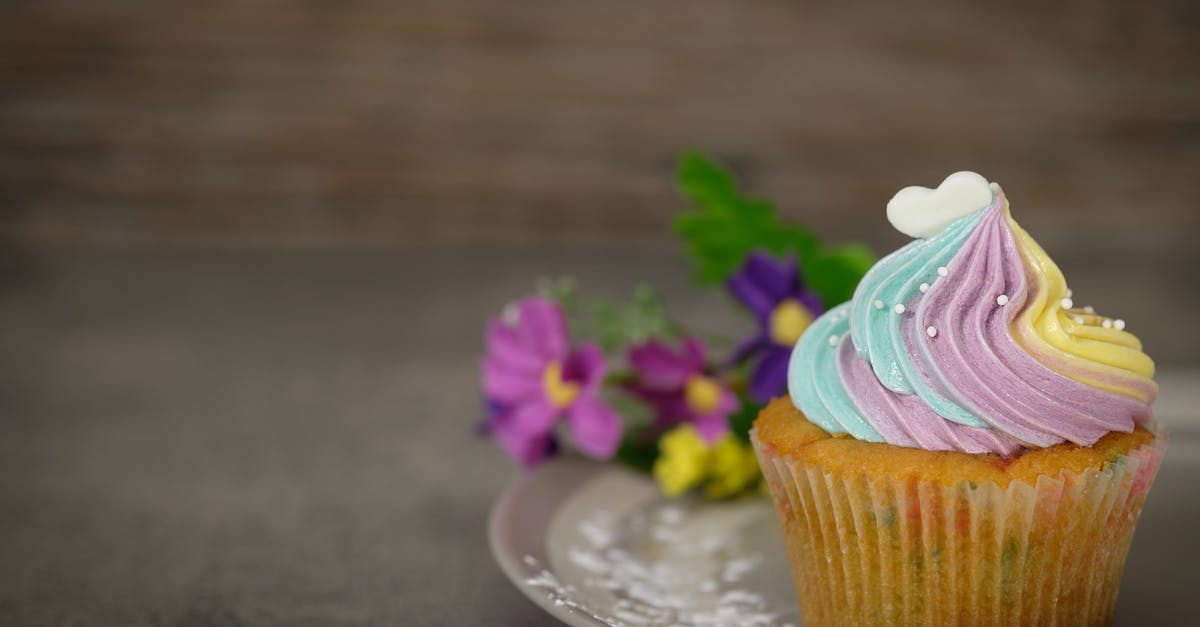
[{"x": 595, "y": 544}]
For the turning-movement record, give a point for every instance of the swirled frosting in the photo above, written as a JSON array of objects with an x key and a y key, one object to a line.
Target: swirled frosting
[{"x": 968, "y": 340}]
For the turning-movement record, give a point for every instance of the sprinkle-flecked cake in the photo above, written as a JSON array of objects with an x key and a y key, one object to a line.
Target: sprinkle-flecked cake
[{"x": 962, "y": 443}]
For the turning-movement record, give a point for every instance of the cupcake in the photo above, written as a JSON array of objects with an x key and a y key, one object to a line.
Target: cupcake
[{"x": 961, "y": 444}]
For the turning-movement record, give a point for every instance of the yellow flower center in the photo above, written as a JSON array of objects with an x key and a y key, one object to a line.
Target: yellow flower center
[
  {"x": 702, "y": 394},
  {"x": 561, "y": 393},
  {"x": 788, "y": 321}
]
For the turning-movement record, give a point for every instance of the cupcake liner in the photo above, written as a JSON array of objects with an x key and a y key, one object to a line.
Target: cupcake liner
[{"x": 880, "y": 551}]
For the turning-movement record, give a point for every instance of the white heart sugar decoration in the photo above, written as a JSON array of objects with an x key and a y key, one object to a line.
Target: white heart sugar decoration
[{"x": 922, "y": 212}]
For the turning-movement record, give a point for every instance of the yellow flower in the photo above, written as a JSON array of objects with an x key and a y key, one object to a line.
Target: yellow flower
[
  {"x": 734, "y": 468},
  {"x": 683, "y": 461}
]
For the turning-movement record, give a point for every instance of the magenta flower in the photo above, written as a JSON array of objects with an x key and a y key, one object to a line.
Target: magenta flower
[
  {"x": 678, "y": 386},
  {"x": 773, "y": 292},
  {"x": 532, "y": 379}
]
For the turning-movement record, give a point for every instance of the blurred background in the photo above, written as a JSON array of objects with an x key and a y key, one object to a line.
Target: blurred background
[
  {"x": 467, "y": 125},
  {"x": 247, "y": 248}
]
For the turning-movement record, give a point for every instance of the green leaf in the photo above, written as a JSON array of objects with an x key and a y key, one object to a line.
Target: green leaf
[
  {"x": 616, "y": 325},
  {"x": 724, "y": 227},
  {"x": 611, "y": 324},
  {"x": 562, "y": 290},
  {"x": 834, "y": 273},
  {"x": 638, "y": 453},
  {"x": 703, "y": 181}
]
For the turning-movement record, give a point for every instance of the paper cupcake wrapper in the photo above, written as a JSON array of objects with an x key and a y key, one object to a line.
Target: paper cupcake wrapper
[{"x": 876, "y": 551}]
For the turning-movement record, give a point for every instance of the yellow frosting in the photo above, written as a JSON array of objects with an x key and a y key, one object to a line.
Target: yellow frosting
[{"x": 1089, "y": 352}]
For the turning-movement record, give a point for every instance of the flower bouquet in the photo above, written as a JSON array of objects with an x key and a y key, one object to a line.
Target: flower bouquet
[{"x": 629, "y": 383}]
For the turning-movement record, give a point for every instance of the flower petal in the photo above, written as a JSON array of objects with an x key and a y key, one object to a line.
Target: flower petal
[
  {"x": 541, "y": 324},
  {"x": 657, "y": 366},
  {"x": 595, "y": 427},
  {"x": 810, "y": 300},
  {"x": 586, "y": 366},
  {"x": 506, "y": 386},
  {"x": 773, "y": 277},
  {"x": 506, "y": 345},
  {"x": 695, "y": 356},
  {"x": 728, "y": 402},
  {"x": 763, "y": 282},
  {"x": 744, "y": 289},
  {"x": 712, "y": 427},
  {"x": 683, "y": 460},
  {"x": 528, "y": 448},
  {"x": 535, "y": 416},
  {"x": 746, "y": 349},
  {"x": 769, "y": 378},
  {"x": 664, "y": 403},
  {"x": 734, "y": 467}
]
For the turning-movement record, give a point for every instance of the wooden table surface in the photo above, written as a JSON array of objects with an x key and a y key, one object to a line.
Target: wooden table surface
[{"x": 248, "y": 438}]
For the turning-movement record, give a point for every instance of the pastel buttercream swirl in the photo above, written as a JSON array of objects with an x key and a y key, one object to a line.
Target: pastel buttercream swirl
[{"x": 968, "y": 341}]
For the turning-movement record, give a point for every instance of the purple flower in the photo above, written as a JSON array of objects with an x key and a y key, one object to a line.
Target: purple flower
[
  {"x": 772, "y": 291},
  {"x": 532, "y": 379},
  {"x": 680, "y": 389}
]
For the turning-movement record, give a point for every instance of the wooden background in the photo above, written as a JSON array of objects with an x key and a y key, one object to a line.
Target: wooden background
[{"x": 484, "y": 126}]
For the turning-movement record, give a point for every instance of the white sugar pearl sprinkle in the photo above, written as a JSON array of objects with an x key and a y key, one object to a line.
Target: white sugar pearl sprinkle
[
  {"x": 899, "y": 308},
  {"x": 1078, "y": 319},
  {"x": 1002, "y": 300},
  {"x": 833, "y": 340},
  {"x": 942, "y": 271},
  {"x": 1119, "y": 324},
  {"x": 1089, "y": 309},
  {"x": 931, "y": 331},
  {"x": 1070, "y": 293},
  {"x": 1107, "y": 324},
  {"x": 1067, "y": 303},
  {"x": 879, "y": 304},
  {"x": 924, "y": 287}
]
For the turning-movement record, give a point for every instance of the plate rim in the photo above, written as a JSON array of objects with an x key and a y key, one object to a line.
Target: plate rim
[{"x": 509, "y": 557}]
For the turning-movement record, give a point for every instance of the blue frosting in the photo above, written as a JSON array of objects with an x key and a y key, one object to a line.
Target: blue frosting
[{"x": 813, "y": 380}]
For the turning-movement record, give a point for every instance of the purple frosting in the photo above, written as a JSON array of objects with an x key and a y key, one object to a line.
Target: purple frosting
[{"x": 955, "y": 345}]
